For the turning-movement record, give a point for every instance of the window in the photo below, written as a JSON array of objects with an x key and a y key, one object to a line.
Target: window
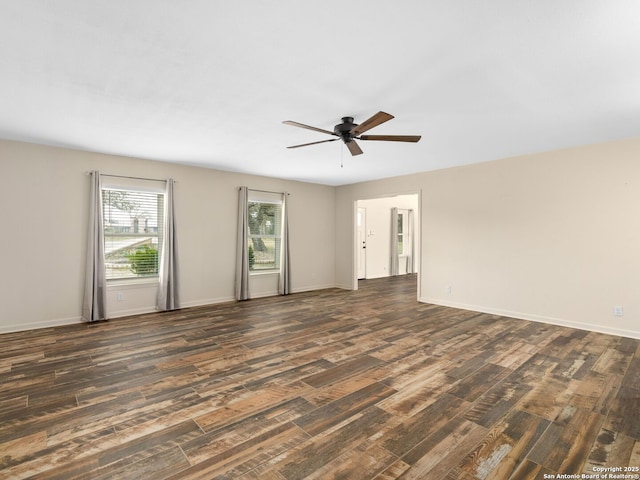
[
  {"x": 401, "y": 233},
  {"x": 133, "y": 220},
  {"x": 265, "y": 231}
]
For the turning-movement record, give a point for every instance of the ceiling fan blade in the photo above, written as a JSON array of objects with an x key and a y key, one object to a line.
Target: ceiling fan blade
[
  {"x": 314, "y": 143},
  {"x": 302, "y": 125},
  {"x": 371, "y": 122},
  {"x": 353, "y": 147},
  {"x": 392, "y": 138}
]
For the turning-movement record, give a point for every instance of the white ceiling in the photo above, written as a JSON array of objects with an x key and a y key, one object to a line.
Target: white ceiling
[{"x": 208, "y": 83}]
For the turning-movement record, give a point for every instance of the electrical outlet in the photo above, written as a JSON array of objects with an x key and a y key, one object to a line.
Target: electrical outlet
[
  {"x": 618, "y": 311},
  {"x": 120, "y": 296},
  {"x": 449, "y": 289}
]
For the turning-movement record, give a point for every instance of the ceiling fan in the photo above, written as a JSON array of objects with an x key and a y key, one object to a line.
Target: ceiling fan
[{"x": 349, "y": 132}]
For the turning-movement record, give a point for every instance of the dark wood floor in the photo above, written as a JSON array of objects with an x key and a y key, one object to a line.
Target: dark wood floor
[{"x": 329, "y": 385}]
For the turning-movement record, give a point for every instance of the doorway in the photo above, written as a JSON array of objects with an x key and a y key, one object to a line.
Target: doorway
[{"x": 376, "y": 239}]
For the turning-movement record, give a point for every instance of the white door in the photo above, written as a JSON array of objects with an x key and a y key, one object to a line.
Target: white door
[{"x": 362, "y": 243}]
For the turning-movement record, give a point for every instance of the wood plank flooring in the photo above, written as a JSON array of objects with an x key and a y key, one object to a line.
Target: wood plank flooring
[{"x": 333, "y": 384}]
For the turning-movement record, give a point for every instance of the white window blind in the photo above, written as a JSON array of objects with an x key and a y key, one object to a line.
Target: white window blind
[{"x": 133, "y": 223}]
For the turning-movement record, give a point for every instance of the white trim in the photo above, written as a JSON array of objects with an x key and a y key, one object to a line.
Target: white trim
[
  {"x": 12, "y": 328},
  {"x": 129, "y": 282},
  {"x": 620, "y": 332},
  {"x": 273, "y": 293},
  {"x": 382, "y": 275},
  {"x": 110, "y": 182},
  {"x": 313, "y": 288},
  {"x": 58, "y": 322},
  {"x": 208, "y": 301},
  {"x": 264, "y": 273},
  {"x": 261, "y": 196},
  {"x": 130, "y": 312},
  {"x": 193, "y": 303}
]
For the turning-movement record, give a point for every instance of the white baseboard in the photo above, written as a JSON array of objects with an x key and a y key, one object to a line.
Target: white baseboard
[
  {"x": 263, "y": 295},
  {"x": 214, "y": 301},
  {"x": 313, "y": 288},
  {"x": 131, "y": 311},
  {"x": 437, "y": 301},
  {"x": 207, "y": 301},
  {"x": 58, "y": 322},
  {"x": 620, "y": 332},
  {"x": 373, "y": 277}
]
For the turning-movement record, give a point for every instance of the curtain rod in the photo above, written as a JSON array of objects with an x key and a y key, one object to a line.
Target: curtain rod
[
  {"x": 132, "y": 178},
  {"x": 266, "y": 191}
]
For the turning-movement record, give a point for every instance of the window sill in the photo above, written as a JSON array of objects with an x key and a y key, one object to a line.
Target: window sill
[
  {"x": 133, "y": 282},
  {"x": 264, "y": 273}
]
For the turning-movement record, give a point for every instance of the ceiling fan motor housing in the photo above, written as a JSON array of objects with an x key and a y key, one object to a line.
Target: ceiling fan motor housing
[{"x": 344, "y": 129}]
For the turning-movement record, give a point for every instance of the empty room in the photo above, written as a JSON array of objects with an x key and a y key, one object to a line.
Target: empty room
[{"x": 346, "y": 240}]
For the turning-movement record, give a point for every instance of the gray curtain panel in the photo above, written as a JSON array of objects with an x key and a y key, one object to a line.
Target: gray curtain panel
[
  {"x": 168, "y": 293},
  {"x": 94, "y": 304},
  {"x": 242, "y": 249},
  {"x": 284, "y": 282},
  {"x": 393, "y": 268}
]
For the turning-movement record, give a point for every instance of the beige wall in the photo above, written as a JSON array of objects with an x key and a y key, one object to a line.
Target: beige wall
[
  {"x": 553, "y": 237},
  {"x": 44, "y": 224}
]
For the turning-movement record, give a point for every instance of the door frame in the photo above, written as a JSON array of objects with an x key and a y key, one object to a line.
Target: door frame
[
  {"x": 417, "y": 225},
  {"x": 362, "y": 212}
]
